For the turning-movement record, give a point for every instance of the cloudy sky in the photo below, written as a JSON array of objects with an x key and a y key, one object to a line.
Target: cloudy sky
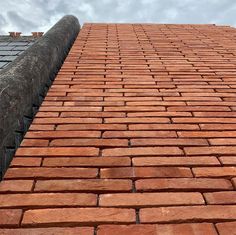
[{"x": 39, "y": 15}]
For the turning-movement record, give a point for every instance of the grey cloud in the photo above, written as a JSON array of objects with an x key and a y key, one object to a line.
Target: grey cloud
[{"x": 40, "y": 15}]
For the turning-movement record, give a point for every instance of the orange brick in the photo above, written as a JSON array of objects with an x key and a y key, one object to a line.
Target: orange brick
[
  {"x": 55, "y": 230},
  {"x": 165, "y": 142},
  {"x": 175, "y": 161},
  {"x": 142, "y": 151},
  {"x": 16, "y": 186},
  {"x": 38, "y": 200},
  {"x": 26, "y": 161},
  {"x": 138, "y": 134},
  {"x": 78, "y": 216},
  {"x": 221, "y": 197},
  {"x": 62, "y": 134},
  {"x": 88, "y": 161},
  {"x": 144, "y": 172},
  {"x": 214, "y": 171},
  {"x": 34, "y": 143},
  {"x": 89, "y": 185},
  {"x": 92, "y": 127},
  {"x": 57, "y": 151},
  {"x": 149, "y": 199},
  {"x": 10, "y": 217},
  {"x": 226, "y": 228},
  {"x": 159, "y": 229},
  {"x": 39, "y": 172},
  {"x": 182, "y": 214},
  {"x": 185, "y": 184},
  {"x": 89, "y": 142}
]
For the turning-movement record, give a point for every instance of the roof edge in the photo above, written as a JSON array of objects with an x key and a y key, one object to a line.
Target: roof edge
[{"x": 24, "y": 83}]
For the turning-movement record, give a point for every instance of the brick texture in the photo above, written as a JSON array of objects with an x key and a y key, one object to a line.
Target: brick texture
[{"x": 136, "y": 135}]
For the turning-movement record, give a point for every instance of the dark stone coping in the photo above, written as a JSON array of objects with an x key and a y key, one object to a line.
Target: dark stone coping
[{"x": 24, "y": 83}]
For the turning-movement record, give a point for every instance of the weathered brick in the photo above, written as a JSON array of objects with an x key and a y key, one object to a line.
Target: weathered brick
[
  {"x": 48, "y": 173},
  {"x": 53, "y": 152},
  {"x": 10, "y": 217},
  {"x": 138, "y": 134},
  {"x": 214, "y": 171},
  {"x": 26, "y": 161},
  {"x": 78, "y": 216},
  {"x": 159, "y": 229},
  {"x": 16, "y": 185},
  {"x": 88, "y": 161},
  {"x": 210, "y": 150},
  {"x": 34, "y": 143},
  {"x": 145, "y": 172},
  {"x": 221, "y": 197},
  {"x": 175, "y": 161},
  {"x": 183, "y": 184},
  {"x": 71, "y": 127},
  {"x": 89, "y": 185},
  {"x": 226, "y": 228},
  {"x": 47, "y": 200},
  {"x": 89, "y": 142},
  {"x": 183, "y": 214},
  {"x": 53, "y": 230},
  {"x": 149, "y": 199},
  {"x": 165, "y": 142},
  {"x": 141, "y": 151},
  {"x": 62, "y": 134},
  {"x": 163, "y": 126}
]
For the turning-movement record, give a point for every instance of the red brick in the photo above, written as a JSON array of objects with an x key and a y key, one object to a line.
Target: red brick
[
  {"x": 66, "y": 120},
  {"x": 91, "y": 114},
  {"x": 89, "y": 185},
  {"x": 182, "y": 214},
  {"x": 221, "y": 197},
  {"x": 10, "y": 217},
  {"x": 137, "y": 134},
  {"x": 44, "y": 172},
  {"x": 137, "y": 120},
  {"x": 214, "y": 127},
  {"x": 34, "y": 143},
  {"x": 62, "y": 134},
  {"x": 141, "y": 151},
  {"x": 16, "y": 186},
  {"x": 149, "y": 199},
  {"x": 165, "y": 142},
  {"x": 47, "y": 200},
  {"x": 204, "y": 120},
  {"x": 92, "y": 127},
  {"x": 145, "y": 172},
  {"x": 89, "y": 142},
  {"x": 158, "y": 114},
  {"x": 163, "y": 127},
  {"x": 36, "y": 127},
  {"x": 175, "y": 161},
  {"x": 78, "y": 216},
  {"x": 134, "y": 109},
  {"x": 184, "y": 184},
  {"x": 51, "y": 152},
  {"x": 226, "y": 228},
  {"x": 158, "y": 229},
  {"x": 228, "y": 160},
  {"x": 88, "y": 161},
  {"x": 26, "y": 161},
  {"x": 206, "y": 134},
  {"x": 210, "y": 150},
  {"x": 214, "y": 171},
  {"x": 53, "y": 230},
  {"x": 223, "y": 141}
]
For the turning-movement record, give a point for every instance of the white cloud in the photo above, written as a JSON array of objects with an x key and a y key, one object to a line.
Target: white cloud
[{"x": 40, "y": 15}]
